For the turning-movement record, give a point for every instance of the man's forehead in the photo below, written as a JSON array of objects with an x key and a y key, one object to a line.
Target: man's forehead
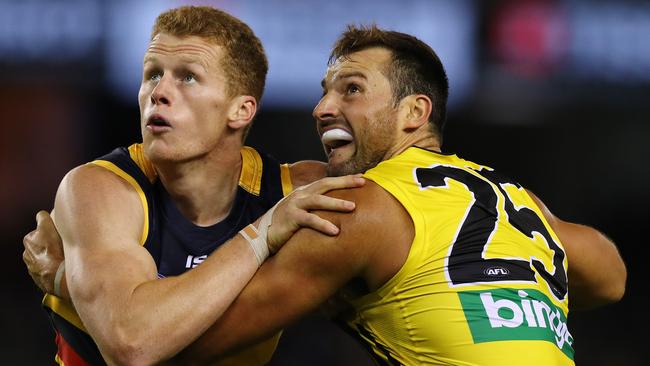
[
  {"x": 190, "y": 48},
  {"x": 360, "y": 63}
]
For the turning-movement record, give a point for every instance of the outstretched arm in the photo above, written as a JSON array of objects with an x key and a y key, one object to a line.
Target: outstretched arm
[
  {"x": 43, "y": 252},
  {"x": 43, "y": 255},
  {"x": 113, "y": 281},
  {"x": 309, "y": 269},
  {"x": 597, "y": 272}
]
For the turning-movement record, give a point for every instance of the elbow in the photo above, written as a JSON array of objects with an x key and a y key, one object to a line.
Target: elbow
[
  {"x": 618, "y": 295},
  {"x": 609, "y": 292},
  {"x": 617, "y": 289},
  {"x": 611, "y": 295},
  {"x": 616, "y": 275},
  {"x": 619, "y": 280},
  {"x": 596, "y": 293}
]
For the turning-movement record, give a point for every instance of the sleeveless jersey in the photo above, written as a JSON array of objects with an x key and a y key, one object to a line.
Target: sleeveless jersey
[
  {"x": 485, "y": 279},
  {"x": 174, "y": 242}
]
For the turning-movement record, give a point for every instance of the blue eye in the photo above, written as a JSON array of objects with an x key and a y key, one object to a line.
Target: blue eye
[
  {"x": 189, "y": 78},
  {"x": 155, "y": 76}
]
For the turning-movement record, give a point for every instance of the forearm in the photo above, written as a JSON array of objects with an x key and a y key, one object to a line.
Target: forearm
[
  {"x": 158, "y": 318},
  {"x": 255, "y": 315},
  {"x": 303, "y": 275}
]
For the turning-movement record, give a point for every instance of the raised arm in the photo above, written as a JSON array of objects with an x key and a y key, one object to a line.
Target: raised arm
[
  {"x": 112, "y": 279},
  {"x": 597, "y": 272}
]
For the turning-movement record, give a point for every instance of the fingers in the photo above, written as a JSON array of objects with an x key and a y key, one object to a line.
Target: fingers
[
  {"x": 331, "y": 183},
  {"x": 28, "y": 259},
  {"x": 45, "y": 238},
  {"x": 31, "y": 247},
  {"x": 320, "y": 202},
  {"x": 315, "y": 222},
  {"x": 298, "y": 212},
  {"x": 29, "y": 256},
  {"x": 279, "y": 234},
  {"x": 311, "y": 197},
  {"x": 27, "y": 239},
  {"x": 33, "y": 239},
  {"x": 43, "y": 251},
  {"x": 294, "y": 210},
  {"x": 31, "y": 263}
]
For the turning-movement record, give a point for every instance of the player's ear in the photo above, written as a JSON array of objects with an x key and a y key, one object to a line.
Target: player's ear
[
  {"x": 241, "y": 112},
  {"x": 414, "y": 111}
]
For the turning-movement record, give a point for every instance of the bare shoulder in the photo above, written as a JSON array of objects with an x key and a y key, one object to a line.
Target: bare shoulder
[
  {"x": 373, "y": 204},
  {"x": 89, "y": 176},
  {"x": 380, "y": 229},
  {"x": 307, "y": 171},
  {"x": 92, "y": 197},
  {"x": 94, "y": 185}
]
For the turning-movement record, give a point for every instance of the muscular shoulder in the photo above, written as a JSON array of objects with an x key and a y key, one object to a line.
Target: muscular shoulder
[
  {"x": 306, "y": 171},
  {"x": 379, "y": 230},
  {"x": 373, "y": 205},
  {"x": 92, "y": 196},
  {"x": 95, "y": 183},
  {"x": 91, "y": 175}
]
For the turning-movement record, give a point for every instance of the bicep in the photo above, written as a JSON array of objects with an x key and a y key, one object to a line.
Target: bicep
[
  {"x": 588, "y": 252},
  {"x": 99, "y": 218},
  {"x": 576, "y": 239}
]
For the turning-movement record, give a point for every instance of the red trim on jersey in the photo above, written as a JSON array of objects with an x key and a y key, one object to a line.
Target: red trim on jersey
[{"x": 66, "y": 355}]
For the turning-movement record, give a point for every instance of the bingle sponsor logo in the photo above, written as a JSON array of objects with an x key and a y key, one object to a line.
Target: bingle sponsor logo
[{"x": 510, "y": 314}]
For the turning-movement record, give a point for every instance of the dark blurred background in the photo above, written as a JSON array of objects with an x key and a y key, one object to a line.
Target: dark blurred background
[{"x": 553, "y": 93}]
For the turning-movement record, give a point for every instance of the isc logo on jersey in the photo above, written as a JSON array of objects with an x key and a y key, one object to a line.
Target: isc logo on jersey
[
  {"x": 193, "y": 261},
  {"x": 510, "y": 314}
]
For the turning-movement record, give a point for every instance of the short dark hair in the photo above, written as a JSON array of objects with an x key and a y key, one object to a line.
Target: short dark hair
[
  {"x": 244, "y": 61},
  {"x": 415, "y": 68}
]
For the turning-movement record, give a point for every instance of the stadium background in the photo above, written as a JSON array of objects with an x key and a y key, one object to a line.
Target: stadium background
[{"x": 553, "y": 93}]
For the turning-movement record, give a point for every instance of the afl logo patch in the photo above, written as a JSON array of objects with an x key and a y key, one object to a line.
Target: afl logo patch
[{"x": 496, "y": 272}]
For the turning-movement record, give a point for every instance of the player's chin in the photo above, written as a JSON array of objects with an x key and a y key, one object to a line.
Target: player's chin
[
  {"x": 338, "y": 168},
  {"x": 159, "y": 151},
  {"x": 337, "y": 162}
]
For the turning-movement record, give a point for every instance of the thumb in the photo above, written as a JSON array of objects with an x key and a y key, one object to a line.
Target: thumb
[{"x": 44, "y": 221}]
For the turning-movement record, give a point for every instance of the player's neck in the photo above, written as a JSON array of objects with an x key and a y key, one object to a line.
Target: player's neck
[
  {"x": 204, "y": 189},
  {"x": 422, "y": 140}
]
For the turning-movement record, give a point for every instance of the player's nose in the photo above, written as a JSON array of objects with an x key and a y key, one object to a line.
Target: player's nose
[
  {"x": 327, "y": 108},
  {"x": 162, "y": 92}
]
